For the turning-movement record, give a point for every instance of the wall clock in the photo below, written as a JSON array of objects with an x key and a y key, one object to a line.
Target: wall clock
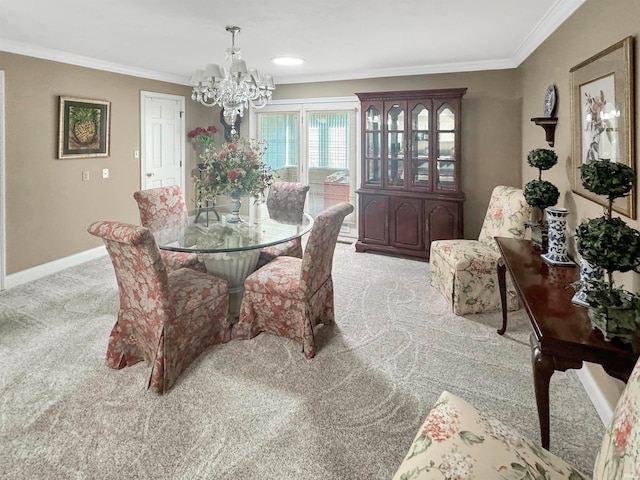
[{"x": 549, "y": 101}]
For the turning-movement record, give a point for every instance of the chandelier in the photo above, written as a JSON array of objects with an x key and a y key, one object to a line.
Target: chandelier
[{"x": 233, "y": 88}]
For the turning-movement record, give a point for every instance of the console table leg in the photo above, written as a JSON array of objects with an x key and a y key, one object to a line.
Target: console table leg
[
  {"x": 502, "y": 285},
  {"x": 543, "y": 369}
]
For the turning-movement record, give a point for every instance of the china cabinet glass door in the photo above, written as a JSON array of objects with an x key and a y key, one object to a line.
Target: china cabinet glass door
[
  {"x": 372, "y": 145},
  {"x": 420, "y": 146},
  {"x": 446, "y": 149},
  {"x": 395, "y": 146}
]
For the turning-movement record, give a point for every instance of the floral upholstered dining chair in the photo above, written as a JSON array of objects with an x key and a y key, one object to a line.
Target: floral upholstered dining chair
[
  {"x": 289, "y": 296},
  {"x": 165, "y": 319},
  {"x": 163, "y": 211},
  {"x": 285, "y": 202},
  {"x": 465, "y": 271},
  {"x": 456, "y": 441}
]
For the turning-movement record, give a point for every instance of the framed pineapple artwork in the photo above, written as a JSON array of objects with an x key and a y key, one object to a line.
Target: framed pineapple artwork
[{"x": 84, "y": 128}]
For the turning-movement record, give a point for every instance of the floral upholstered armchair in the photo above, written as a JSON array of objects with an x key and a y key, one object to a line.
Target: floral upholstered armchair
[
  {"x": 165, "y": 319},
  {"x": 290, "y": 296},
  {"x": 456, "y": 441},
  {"x": 285, "y": 202},
  {"x": 163, "y": 209},
  {"x": 465, "y": 271}
]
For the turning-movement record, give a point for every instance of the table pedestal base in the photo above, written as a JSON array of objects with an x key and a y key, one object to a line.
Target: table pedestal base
[{"x": 234, "y": 267}]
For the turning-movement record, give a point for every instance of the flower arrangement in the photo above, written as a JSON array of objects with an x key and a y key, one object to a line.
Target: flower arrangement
[
  {"x": 236, "y": 168},
  {"x": 202, "y": 137}
]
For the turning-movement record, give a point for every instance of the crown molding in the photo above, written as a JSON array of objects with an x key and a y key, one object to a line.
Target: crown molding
[
  {"x": 557, "y": 14},
  {"x": 80, "y": 61}
]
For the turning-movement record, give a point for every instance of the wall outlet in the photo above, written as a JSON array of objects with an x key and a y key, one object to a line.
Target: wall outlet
[
  {"x": 136, "y": 154},
  {"x": 105, "y": 173},
  {"x": 85, "y": 175}
]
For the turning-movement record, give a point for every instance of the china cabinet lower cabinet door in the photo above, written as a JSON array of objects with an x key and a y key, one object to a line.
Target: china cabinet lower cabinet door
[
  {"x": 406, "y": 223},
  {"x": 443, "y": 220},
  {"x": 373, "y": 225}
]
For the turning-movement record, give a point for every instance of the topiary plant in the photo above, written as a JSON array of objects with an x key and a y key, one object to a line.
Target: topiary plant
[
  {"x": 540, "y": 194},
  {"x": 610, "y": 244}
]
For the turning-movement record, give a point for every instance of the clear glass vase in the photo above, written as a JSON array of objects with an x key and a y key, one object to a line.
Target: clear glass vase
[{"x": 236, "y": 203}]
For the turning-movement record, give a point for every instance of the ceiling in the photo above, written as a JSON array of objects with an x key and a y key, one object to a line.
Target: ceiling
[{"x": 339, "y": 39}]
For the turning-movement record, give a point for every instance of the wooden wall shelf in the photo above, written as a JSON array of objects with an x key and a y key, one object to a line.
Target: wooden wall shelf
[{"x": 549, "y": 125}]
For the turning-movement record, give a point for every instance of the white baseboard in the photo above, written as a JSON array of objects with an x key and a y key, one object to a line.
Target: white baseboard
[
  {"x": 601, "y": 389},
  {"x": 34, "y": 273}
]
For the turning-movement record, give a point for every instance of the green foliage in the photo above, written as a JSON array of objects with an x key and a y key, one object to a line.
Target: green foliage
[
  {"x": 541, "y": 194},
  {"x": 610, "y": 244},
  {"x": 542, "y": 158},
  {"x": 599, "y": 295},
  {"x": 603, "y": 177},
  {"x": 83, "y": 114}
]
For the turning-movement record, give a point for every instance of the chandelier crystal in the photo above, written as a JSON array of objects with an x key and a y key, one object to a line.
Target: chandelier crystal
[{"x": 233, "y": 88}]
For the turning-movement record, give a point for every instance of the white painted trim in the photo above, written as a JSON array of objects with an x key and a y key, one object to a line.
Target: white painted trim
[
  {"x": 3, "y": 208},
  {"x": 289, "y": 101},
  {"x": 602, "y": 404},
  {"x": 34, "y": 273},
  {"x": 558, "y": 13},
  {"x": 59, "y": 56}
]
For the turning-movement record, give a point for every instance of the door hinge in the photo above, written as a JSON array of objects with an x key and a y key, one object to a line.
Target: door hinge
[
  {"x": 180, "y": 163},
  {"x": 181, "y": 112}
]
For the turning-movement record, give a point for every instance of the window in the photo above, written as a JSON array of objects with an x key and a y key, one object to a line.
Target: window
[{"x": 313, "y": 143}]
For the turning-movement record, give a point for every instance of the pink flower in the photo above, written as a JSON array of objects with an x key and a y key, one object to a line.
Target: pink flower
[
  {"x": 497, "y": 213},
  {"x": 232, "y": 175},
  {"x": 441, "y": 423},
  {"x": 222, "y": 154},
  {"x": 232, "y": 146}
]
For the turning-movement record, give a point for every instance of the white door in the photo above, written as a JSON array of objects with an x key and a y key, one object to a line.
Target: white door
[{"x": 162, "y": 162}]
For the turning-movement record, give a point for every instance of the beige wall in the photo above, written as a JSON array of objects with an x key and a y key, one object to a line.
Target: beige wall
[
  {"x": 47, "y": 195},
  {"x": 44, "y": 194},
  {"x": 491, "y": 134},
  {"x": 596, "y": 25},
  {"x": 48, "y": 205}
]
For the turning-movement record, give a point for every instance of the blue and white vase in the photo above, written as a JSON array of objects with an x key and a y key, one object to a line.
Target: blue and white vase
[
  {"x": 557, "y": 249},
  {"x": 587, "y": 272}
]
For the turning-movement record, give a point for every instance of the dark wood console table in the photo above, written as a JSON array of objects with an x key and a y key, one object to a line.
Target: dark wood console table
[{"x": 562, "y": 336}]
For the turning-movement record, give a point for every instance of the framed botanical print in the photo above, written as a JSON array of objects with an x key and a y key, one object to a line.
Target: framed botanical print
[
  {"x": 602, "y": 109},
  {"x": 84, "y": 128}
]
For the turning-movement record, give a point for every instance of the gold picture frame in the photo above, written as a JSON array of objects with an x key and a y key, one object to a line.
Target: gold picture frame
[
  {"x": 84, "y": 128},
  {"x": 602, "y": 112}
]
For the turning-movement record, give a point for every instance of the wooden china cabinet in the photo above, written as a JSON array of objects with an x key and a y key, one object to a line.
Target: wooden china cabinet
[{"x": 410, "y": 192}]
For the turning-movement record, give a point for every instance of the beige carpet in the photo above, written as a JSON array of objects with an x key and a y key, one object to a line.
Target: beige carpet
[{"x": 257, "y": 409}]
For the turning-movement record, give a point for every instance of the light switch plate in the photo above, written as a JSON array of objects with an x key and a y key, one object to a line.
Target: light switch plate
[{"x": 105, "y": 173}]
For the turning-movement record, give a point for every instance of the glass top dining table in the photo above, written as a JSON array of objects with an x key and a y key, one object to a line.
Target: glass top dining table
[
  {"x": 210, "y": 231},
  {"x": 231, "y": 250}
]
